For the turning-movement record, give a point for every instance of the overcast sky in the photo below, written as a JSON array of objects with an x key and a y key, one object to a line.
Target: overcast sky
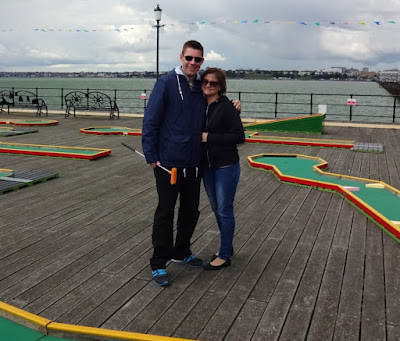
[{"x": 106, "y": 35}]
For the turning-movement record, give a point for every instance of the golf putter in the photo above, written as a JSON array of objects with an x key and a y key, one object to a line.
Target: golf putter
[{"x": 172, "y": 172}]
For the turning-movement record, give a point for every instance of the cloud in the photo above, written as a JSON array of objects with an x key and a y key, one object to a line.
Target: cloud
[
  {"x": 214, "y": 56},
  {"x": 345, "y": 43},
  {"x": 269, "y": 43},
  {"x": 60, "y": 66}
]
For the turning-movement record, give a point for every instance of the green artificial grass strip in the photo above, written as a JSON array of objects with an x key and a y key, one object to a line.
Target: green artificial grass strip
[
  {"x": 381, "y": 200},
  {"x": 12, "y": 331},
  {"x": 49, "y": 149},
  {"x": 309, "y": 124}
]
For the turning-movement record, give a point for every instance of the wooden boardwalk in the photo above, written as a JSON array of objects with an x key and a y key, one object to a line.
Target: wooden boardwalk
[{"x": 307, "y": 264}]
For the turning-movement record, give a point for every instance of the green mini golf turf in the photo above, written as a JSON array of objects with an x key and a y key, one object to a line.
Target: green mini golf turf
[
  {"x": 252, "y": 137},
  {"x": 32, "y": 122},
  {"x": 55, "y": 151},
  {"x": 111, "y": 131},
  {"x": 11, "y": 331},
  {"x": 305, "y": 124},
  {"x": 4, "y": 173},
  {"x": 48, "y": 149},
  {"x": 383, "y": 200}
]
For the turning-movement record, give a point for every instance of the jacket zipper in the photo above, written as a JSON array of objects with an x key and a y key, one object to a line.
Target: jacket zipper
[{"x": 208, "y": 157}]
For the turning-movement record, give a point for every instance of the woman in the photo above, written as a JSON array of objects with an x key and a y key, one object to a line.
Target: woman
[{"x": 223, "y": 131}]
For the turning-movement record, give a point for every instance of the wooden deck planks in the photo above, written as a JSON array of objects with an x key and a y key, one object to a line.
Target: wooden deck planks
[
  {"x": 307, "y": 264},
  {"x": 373, "y": 318}
]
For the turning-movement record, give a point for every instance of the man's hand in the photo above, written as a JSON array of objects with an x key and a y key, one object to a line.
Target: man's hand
[
  {"x": 155, "y": 164},
  {"x": 204, "y": 137},
  {"x": 237, "y": 104}
]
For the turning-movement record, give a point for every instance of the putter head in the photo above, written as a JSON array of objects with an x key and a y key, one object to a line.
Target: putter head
[{"x": 173, "y": 173}]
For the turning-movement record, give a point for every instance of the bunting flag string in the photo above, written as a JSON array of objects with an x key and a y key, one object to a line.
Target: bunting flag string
[{"x": 128, "y": 28}]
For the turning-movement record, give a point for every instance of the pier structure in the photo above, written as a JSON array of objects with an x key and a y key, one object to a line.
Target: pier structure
[{"x": 308, "y": 265}]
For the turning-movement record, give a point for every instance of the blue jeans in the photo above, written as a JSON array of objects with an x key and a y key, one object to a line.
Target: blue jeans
[{"x": 220, "y": 185}]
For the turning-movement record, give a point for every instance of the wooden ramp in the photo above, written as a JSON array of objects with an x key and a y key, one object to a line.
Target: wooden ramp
[
  {"x": 13, "y": 181},
  {"x": 255, "y": 137},
  {"x": 304, "y": 124},
  {"x": 11, "y": 131}
]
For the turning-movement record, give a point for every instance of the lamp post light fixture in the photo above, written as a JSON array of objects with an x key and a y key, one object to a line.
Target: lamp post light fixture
[{"x": 157, "y": 16}]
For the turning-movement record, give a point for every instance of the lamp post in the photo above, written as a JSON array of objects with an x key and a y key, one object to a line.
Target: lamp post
[{"x": 157, "y": 15}]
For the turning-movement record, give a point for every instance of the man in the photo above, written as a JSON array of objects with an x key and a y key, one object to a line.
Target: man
[{"x": 172, "y": 128}]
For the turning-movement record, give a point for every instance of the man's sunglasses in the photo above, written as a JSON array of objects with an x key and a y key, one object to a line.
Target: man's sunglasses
[
  {"x": 196, "y": 59},
  {"x": 212, "y": 84}
]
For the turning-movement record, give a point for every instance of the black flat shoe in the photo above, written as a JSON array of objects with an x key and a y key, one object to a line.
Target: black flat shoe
[
  {"x": 208, "y": 266},
  {"x": 215, "y": 255}
]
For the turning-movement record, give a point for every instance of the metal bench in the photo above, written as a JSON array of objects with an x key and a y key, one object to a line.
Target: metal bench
[
  {"x": 22, "y": 99},
  {"x": 93, "y": 100}
]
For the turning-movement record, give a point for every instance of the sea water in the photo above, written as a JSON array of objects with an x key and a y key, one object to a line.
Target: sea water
[{"x": 260, "y": 98}]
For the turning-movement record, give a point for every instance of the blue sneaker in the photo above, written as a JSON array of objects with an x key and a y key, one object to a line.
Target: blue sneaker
[
  {"x": 160, "y": 277},
  {"x": 191, "y": 261}
]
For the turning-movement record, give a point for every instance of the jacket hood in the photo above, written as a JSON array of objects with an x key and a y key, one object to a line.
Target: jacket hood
[{"x": 178, "y": 71}]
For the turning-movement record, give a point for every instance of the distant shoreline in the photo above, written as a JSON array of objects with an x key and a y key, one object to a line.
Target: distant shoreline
[
  {"x": 153, "y": 78},
  {"x": 231, "y": 74}
]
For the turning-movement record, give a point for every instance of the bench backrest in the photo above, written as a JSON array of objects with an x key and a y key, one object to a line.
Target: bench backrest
[
  {"x": 20, "y": 97},
  {"x": 6, "y": 97},
  {"x": 76, "y": 98},
  {"x": 25, "y": 97},
  {"x": 93, "y": 99}
]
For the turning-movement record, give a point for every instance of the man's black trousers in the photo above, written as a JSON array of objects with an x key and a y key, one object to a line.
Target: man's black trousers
[{"x": 187, "y": 188}]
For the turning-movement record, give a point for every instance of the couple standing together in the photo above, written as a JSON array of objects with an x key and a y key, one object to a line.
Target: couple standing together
[{"x": 190, "y": 124}]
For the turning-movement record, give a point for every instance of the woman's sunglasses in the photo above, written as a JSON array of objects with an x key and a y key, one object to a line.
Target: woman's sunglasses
[
  {"x": 211, "y": 84},
  {"x": 196, "y": 59}
]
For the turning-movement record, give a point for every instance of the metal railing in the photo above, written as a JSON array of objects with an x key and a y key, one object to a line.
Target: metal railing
[
  {"x": 264, "y": 105},
  {"x": 129, "y": 101},
  {"x": 367, "y": 108}
]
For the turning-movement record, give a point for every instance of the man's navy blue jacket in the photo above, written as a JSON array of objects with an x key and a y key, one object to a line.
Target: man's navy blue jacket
[{"x": 173, "y": 121}]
